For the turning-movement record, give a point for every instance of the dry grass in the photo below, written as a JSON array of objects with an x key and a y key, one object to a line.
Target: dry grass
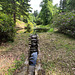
[
  {"x": 10, "y": 52},
  {"x": 58, "y": 54}
]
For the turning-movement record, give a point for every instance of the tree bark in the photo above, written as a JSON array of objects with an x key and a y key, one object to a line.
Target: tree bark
[
  {"x": 14, "y": 12},
  {"x": 14, "y": 17}
]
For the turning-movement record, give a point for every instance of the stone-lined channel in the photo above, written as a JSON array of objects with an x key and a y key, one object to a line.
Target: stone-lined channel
[{"x": 32, "y": 63}]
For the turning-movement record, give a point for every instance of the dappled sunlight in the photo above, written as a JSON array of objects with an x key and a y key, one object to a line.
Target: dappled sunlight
[{"x": 20, "y": 24}]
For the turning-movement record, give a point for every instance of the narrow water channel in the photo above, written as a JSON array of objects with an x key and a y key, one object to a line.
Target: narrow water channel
[
  {"x": 33, "y": 53},
  {"x": 32, "y": 67},
  {"x": 33, "y": 59}
]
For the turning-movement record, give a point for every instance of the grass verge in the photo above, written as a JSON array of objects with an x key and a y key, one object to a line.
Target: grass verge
[{"x": 57, "y": 53}]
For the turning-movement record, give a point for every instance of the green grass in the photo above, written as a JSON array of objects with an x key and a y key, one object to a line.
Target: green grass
[{"x": 51, "y": 30}]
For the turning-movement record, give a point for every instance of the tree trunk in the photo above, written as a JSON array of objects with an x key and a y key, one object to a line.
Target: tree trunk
[
  {"x": 19, "y": 17},
  {"x": 14, "y": 17},
  {"x": 14, "y": 13},
  {"x": 23, "y": 18}
]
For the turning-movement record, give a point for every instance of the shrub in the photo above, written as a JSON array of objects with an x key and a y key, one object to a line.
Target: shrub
[
  {"x": 51, "y": 30},
  {"x": 65, "y": 22},
  {"x": 25, "y": 19},
  {"x": 39, "y": 21},
  {"x": 29, "y": 27},
  {"x": 7, "y": 28}
]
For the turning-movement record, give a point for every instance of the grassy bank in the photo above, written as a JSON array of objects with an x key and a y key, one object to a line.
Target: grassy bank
[
  {"x": 57, "y": 54},
  {"x": 11, "y": 54}
]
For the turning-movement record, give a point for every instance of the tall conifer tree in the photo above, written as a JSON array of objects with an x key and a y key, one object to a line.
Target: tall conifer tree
[{"x": 46, "y": 11}]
